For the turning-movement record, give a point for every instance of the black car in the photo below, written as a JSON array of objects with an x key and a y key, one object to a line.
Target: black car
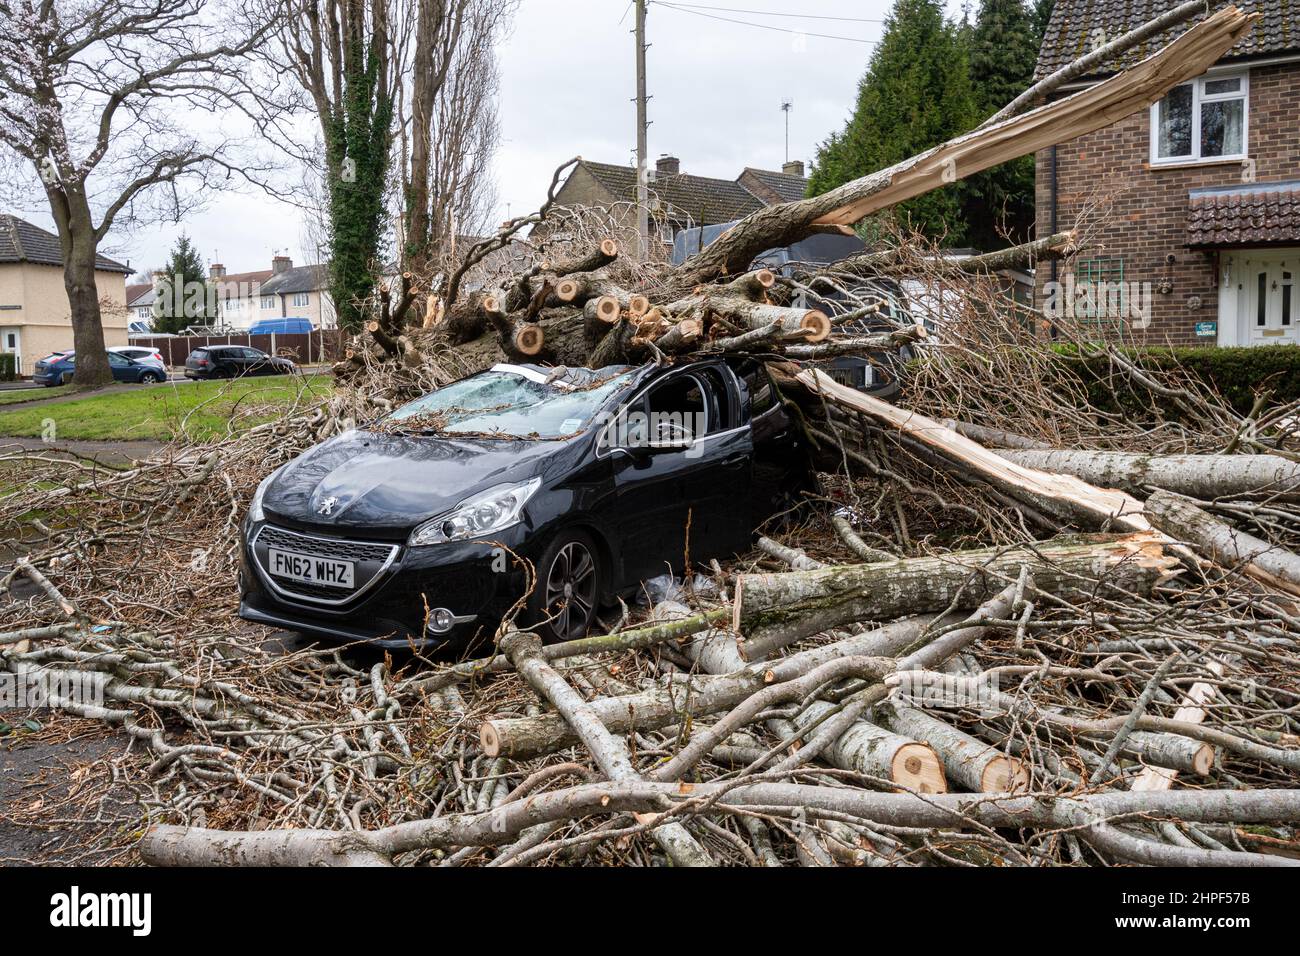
[
  {"x": 233, "y": 361},
  {"x": 415, "y": 528}
]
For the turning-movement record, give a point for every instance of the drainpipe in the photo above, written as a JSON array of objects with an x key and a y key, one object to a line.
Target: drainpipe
[{"x": 1055, "y": 217}]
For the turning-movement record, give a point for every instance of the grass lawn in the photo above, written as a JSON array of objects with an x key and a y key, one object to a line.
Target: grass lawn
[
  {"x": 200, "y": 410},
  {"x": 19, "y": 395}
]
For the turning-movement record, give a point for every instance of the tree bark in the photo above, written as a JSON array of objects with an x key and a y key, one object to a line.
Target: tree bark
[
  {"x": 1200, "y": 476},
  {"x": 1223, "y": 543},
  {"x": 772, "y": 610},
  {"x": 165, "y": 845},
  {"x": 966, "y": 759}
]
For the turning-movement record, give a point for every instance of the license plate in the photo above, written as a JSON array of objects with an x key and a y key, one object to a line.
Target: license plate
[{"x": 311, "y": 570}]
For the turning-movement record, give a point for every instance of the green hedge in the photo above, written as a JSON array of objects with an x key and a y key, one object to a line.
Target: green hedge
[
  {"x": 8, "y": 366},
  {"x": 1236, "y": 373}
]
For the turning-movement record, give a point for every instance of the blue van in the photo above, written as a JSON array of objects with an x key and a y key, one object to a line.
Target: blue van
[{"x": 286, "y": 326}]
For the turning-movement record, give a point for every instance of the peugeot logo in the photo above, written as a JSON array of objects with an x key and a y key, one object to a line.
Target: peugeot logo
[{"x": 327, "y": 506}]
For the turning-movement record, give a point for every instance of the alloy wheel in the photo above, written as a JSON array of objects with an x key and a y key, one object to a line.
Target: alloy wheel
[{"x": 570, "y": 590}]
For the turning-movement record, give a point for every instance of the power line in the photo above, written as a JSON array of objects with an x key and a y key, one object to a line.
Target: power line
[
  {"x": 761, "y": 26},
  {"x": 770, "y": 13}
]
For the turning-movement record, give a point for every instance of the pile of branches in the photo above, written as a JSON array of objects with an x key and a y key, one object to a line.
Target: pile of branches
[{"x": 976, "y": 645}]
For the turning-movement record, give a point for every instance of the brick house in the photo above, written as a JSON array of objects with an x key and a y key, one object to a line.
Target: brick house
[
  {"x": 677, "y": 200},
  {"x": 283, "y": 291},
  {"x": 1201, "y": 241}
]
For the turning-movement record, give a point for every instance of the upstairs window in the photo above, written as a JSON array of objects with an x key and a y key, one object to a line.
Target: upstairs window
[
  {"x": 302, "y": 298},
  {"x": 1201, "y": 121}
]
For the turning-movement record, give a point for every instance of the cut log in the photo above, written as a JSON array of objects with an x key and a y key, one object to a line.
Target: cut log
[
  {"x": 772, "y": 610},
  {"x": 1200, "y": 476},
  {"x": 966, "y": 759},
  {"x": 862, "y": 748},
  {"x": 871, "y": 750},
  {"x": 1192, "y": 711},
  {"x": 1172, "y": 753}
]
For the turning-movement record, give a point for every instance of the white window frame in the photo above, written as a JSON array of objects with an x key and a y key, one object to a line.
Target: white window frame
[
  {"x": 1199, "y": 97},
  {"x": 268, "y": 302},
  {"x": 301, "y": 299}
]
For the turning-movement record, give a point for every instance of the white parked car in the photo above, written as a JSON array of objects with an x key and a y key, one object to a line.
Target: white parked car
[{"x": 141, "y": 354}]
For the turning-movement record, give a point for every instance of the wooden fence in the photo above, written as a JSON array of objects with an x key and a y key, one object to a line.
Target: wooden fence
[{"x": 306, "y": 348}]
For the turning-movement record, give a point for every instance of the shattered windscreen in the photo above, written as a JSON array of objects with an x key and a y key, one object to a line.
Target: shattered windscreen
[{"x": 514, "y": 404}]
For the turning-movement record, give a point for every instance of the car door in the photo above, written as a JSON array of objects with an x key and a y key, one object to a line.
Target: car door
[
  {"x": 257, "y": 362},
  {"x": 670, "y": 502},
  {"x": 124, "y": 370},
  {"x": 777, "y": 461}
]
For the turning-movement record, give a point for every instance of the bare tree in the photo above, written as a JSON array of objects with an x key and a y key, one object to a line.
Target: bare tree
[
  {"x": 453, "y": 131},
  {"x": 88, "y": 93}
]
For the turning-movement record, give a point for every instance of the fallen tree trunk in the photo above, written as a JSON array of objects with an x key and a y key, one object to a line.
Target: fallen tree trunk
[
  {"x": 1040, "y": 489},
  {"x": 1200, "y": 476},
  {"x": 165, "y": 845},
  {"x": 772, "y": 610},
  {"x": 806, "y": 602},
  {"x": 1091, "y": 109},
  {"x": 1224, "y": 544}
]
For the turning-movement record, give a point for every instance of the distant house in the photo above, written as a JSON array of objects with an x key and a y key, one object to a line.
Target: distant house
[
  {"x": 1202, "y": 245},
  {"x": 677, "y": 200},
  {"x": 140, "y": 297},
  {"x": 283, "y": 291},
  {"x": 35, "y": 318}
]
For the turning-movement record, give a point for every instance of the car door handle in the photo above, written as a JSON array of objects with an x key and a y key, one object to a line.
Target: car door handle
[{"x": 734, "y": 460}]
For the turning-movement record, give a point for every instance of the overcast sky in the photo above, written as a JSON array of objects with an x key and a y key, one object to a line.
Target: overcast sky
[{"x": 568, "y": 78}]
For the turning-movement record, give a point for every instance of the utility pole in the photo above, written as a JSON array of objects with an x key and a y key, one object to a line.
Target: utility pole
[
  {"x": 642, "y": 160},
  {"x": 786, "y": 107}
]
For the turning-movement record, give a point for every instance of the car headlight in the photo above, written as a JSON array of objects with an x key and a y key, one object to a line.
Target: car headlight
[
  {"x": 255, "y": 512},
  {"x": 493, "y": 510}
]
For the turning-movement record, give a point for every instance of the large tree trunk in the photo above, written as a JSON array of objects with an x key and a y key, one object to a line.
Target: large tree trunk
[
  {"x": 1201, "y": 476},
  {"x": 1091, "y": 109},
  {"x": 80, "y": 249}
]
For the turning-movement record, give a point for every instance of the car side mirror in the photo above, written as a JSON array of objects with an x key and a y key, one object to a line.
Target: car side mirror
[{"x": 671, "y": 437}]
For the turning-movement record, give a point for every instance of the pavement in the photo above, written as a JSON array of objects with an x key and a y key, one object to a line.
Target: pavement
[{"x": 116, "y": 454}]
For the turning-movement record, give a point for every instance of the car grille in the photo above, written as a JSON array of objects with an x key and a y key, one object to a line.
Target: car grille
[
  {"x": 324, "y": 547},
  {"x": 370, "y": 558}
]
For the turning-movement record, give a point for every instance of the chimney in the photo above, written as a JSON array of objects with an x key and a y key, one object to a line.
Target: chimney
[
  {"x": 216, "y": 270},
  {"x": 793, "y": 168},
  {"x": 281, "y": 264},
  {"x": 668, "y": 165}
]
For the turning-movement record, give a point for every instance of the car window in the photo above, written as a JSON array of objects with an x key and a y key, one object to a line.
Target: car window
[
  {"x": 199, "y": 353},
  {"x": 119, "y": 360},
  {"x": 762, "y": 395},
  {"x": 254, "y": 354},
  {"x": 507, "y": 404}
]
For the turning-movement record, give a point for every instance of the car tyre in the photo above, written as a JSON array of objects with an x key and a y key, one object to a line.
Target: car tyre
[
  {"x": 151, "y": 378},
  {"x": 568, "y": 589},
  {"x": 63, "y": 378}
]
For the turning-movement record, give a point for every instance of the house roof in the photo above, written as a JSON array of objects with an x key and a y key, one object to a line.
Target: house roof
[
  {"x": 20, "y": 241},
  {"x": 772, "y": 186},
  {"x": 1070, "y": 31},
  {"x": 1244, "y": 215},
  {"x": 138, "y": 291},
  {"x": 299, "y": 279},
  {"x": 237, "y": 284},
  {"x": 702, "y": 199}
]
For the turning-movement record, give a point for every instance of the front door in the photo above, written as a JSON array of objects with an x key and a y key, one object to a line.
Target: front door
[
  {"x": 1266, "y": 300},
  {"x": 11, "y": 341}
]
